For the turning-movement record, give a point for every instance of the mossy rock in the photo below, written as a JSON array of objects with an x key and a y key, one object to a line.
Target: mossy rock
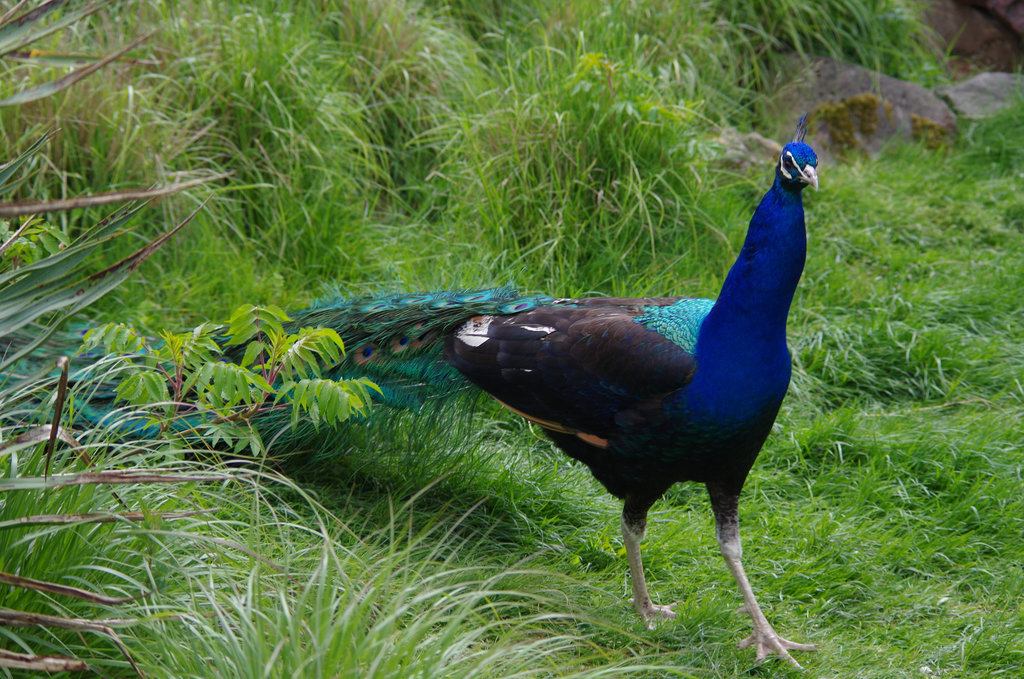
[
  {"x": 856, "y": 110},
  {"x": 849, "y": 120}
]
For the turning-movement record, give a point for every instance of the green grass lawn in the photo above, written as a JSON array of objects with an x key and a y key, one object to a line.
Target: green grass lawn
[{"x": 570, "y": 148}]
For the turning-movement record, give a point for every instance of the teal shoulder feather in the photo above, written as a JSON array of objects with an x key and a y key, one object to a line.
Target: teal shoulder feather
[{"x": 679, "y": 322}]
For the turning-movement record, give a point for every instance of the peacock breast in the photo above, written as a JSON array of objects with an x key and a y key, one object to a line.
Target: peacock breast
[{"x": 695, "y": 444}]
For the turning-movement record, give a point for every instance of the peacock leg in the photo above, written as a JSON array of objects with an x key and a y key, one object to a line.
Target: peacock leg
[
  {"x": 727, "y": 529},
  {"x": 634, "y": 524}
]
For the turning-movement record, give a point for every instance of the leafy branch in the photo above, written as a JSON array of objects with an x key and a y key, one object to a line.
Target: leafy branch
[{"x": 195, "y": 379}]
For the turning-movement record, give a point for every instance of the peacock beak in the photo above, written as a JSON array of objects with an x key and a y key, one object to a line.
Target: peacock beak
[{"x": 810, "y": 176}]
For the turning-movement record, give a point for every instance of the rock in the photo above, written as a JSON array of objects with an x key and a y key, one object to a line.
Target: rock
[
  {"x": 1008, "y": 12},
  {"x": 743, "y": 152},
  {"x": 856, "y": 109},
  {"x": 988, "y": 35},
  {"x": 984, "y": 94}
]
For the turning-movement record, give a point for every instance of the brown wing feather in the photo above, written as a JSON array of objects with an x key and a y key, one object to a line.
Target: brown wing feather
[{"x": 572, "y": 369}]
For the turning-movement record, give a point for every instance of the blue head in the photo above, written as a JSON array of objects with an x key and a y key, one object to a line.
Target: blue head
[{"x": 798, "y": 164}]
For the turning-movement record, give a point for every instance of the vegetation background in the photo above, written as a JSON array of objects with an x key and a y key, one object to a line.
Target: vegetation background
[{"x": 572, "y": 148}]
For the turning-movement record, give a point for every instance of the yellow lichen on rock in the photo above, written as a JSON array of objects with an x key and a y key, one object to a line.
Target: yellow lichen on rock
[
  {"x": 926, "y": 130},
  {"x": 859, "y": 113}
]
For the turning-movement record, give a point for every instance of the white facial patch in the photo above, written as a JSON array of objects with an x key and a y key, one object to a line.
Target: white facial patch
[
  {"x": 474, "y": 331},
  {"x": 782, "y": 164}
]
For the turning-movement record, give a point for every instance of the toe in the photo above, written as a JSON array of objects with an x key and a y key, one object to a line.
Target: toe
[
  {"x": 654, "y": 613},
  {"x": 768, "y": 645}
]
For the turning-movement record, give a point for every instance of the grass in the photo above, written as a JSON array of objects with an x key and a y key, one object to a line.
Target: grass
[{"x": 569, "y": 147}]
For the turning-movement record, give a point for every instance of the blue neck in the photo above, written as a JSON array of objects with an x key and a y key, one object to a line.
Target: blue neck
[{"x": 741, "y": 348}]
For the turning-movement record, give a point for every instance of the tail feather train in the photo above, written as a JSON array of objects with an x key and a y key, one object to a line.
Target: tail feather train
[{"x": 397, "y": 340}]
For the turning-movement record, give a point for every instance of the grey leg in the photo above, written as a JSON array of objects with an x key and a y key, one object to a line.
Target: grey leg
[
  {"x": 634, "y": 524},
  {"x": 727, "y": 529}
]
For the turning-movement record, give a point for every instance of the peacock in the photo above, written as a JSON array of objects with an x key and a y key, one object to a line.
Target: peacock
[{"x": 645, "y": 392}]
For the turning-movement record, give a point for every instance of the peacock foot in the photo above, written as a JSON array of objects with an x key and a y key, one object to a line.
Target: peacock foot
[
  {"x": 768, "y": 642},
  {"x": 652, "y": 613}
]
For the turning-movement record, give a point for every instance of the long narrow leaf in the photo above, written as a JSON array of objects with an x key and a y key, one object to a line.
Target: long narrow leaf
[
  {"x": 96, "y": 517},
  {"x": 57, "y": 60},
  {"x": 41, "y": 279},
  {"x": 19, "y": 209},
  {"x": 77, "y": 296},
  {"x": 11, "y": 12},
  {"x": 11, "y": 167},
  {"x": 40, "y": 663},
  {"x": 115, "y": 477},
  {"x": 63, "y": 262},
  {"x": 19, "y": 33},
  {"x": 48, "y": 89},
  {"x": 11, "y": 186},
  {"x": 63, "y": 590},
  {"x": 66, "y": 260},
  {"x": 13, "y": 31}
]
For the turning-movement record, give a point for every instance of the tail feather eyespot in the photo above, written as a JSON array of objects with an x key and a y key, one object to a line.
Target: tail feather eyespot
[
  {"x": 474, "y": 297},
  {"x": 423, "y": 339},
  {"x": 364, "y": 354},
  {"x": 516, "y": 307}
]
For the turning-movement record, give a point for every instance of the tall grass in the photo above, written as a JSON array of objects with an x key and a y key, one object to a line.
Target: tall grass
[
  {"x": 254, "y": 582},
  {"x": 352, "y": 131}
]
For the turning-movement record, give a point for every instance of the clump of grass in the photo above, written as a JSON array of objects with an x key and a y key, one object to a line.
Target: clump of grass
[
  {"x": 599, "y": 163},
  {"x": 227, "y": 570},
  {"x": 884, "y": 35},
  {"x": 352, "y": 133},
  {"x": 386, "y": 606}
]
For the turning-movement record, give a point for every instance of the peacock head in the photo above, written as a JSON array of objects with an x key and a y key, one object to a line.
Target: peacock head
[{"x": 798, "y": 164}]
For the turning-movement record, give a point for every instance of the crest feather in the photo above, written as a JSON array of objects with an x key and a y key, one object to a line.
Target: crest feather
[{"x": 801, "y": 129}]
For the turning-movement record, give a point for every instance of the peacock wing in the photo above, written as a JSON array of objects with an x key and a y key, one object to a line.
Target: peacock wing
[{"x": 573, "y": 368}]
